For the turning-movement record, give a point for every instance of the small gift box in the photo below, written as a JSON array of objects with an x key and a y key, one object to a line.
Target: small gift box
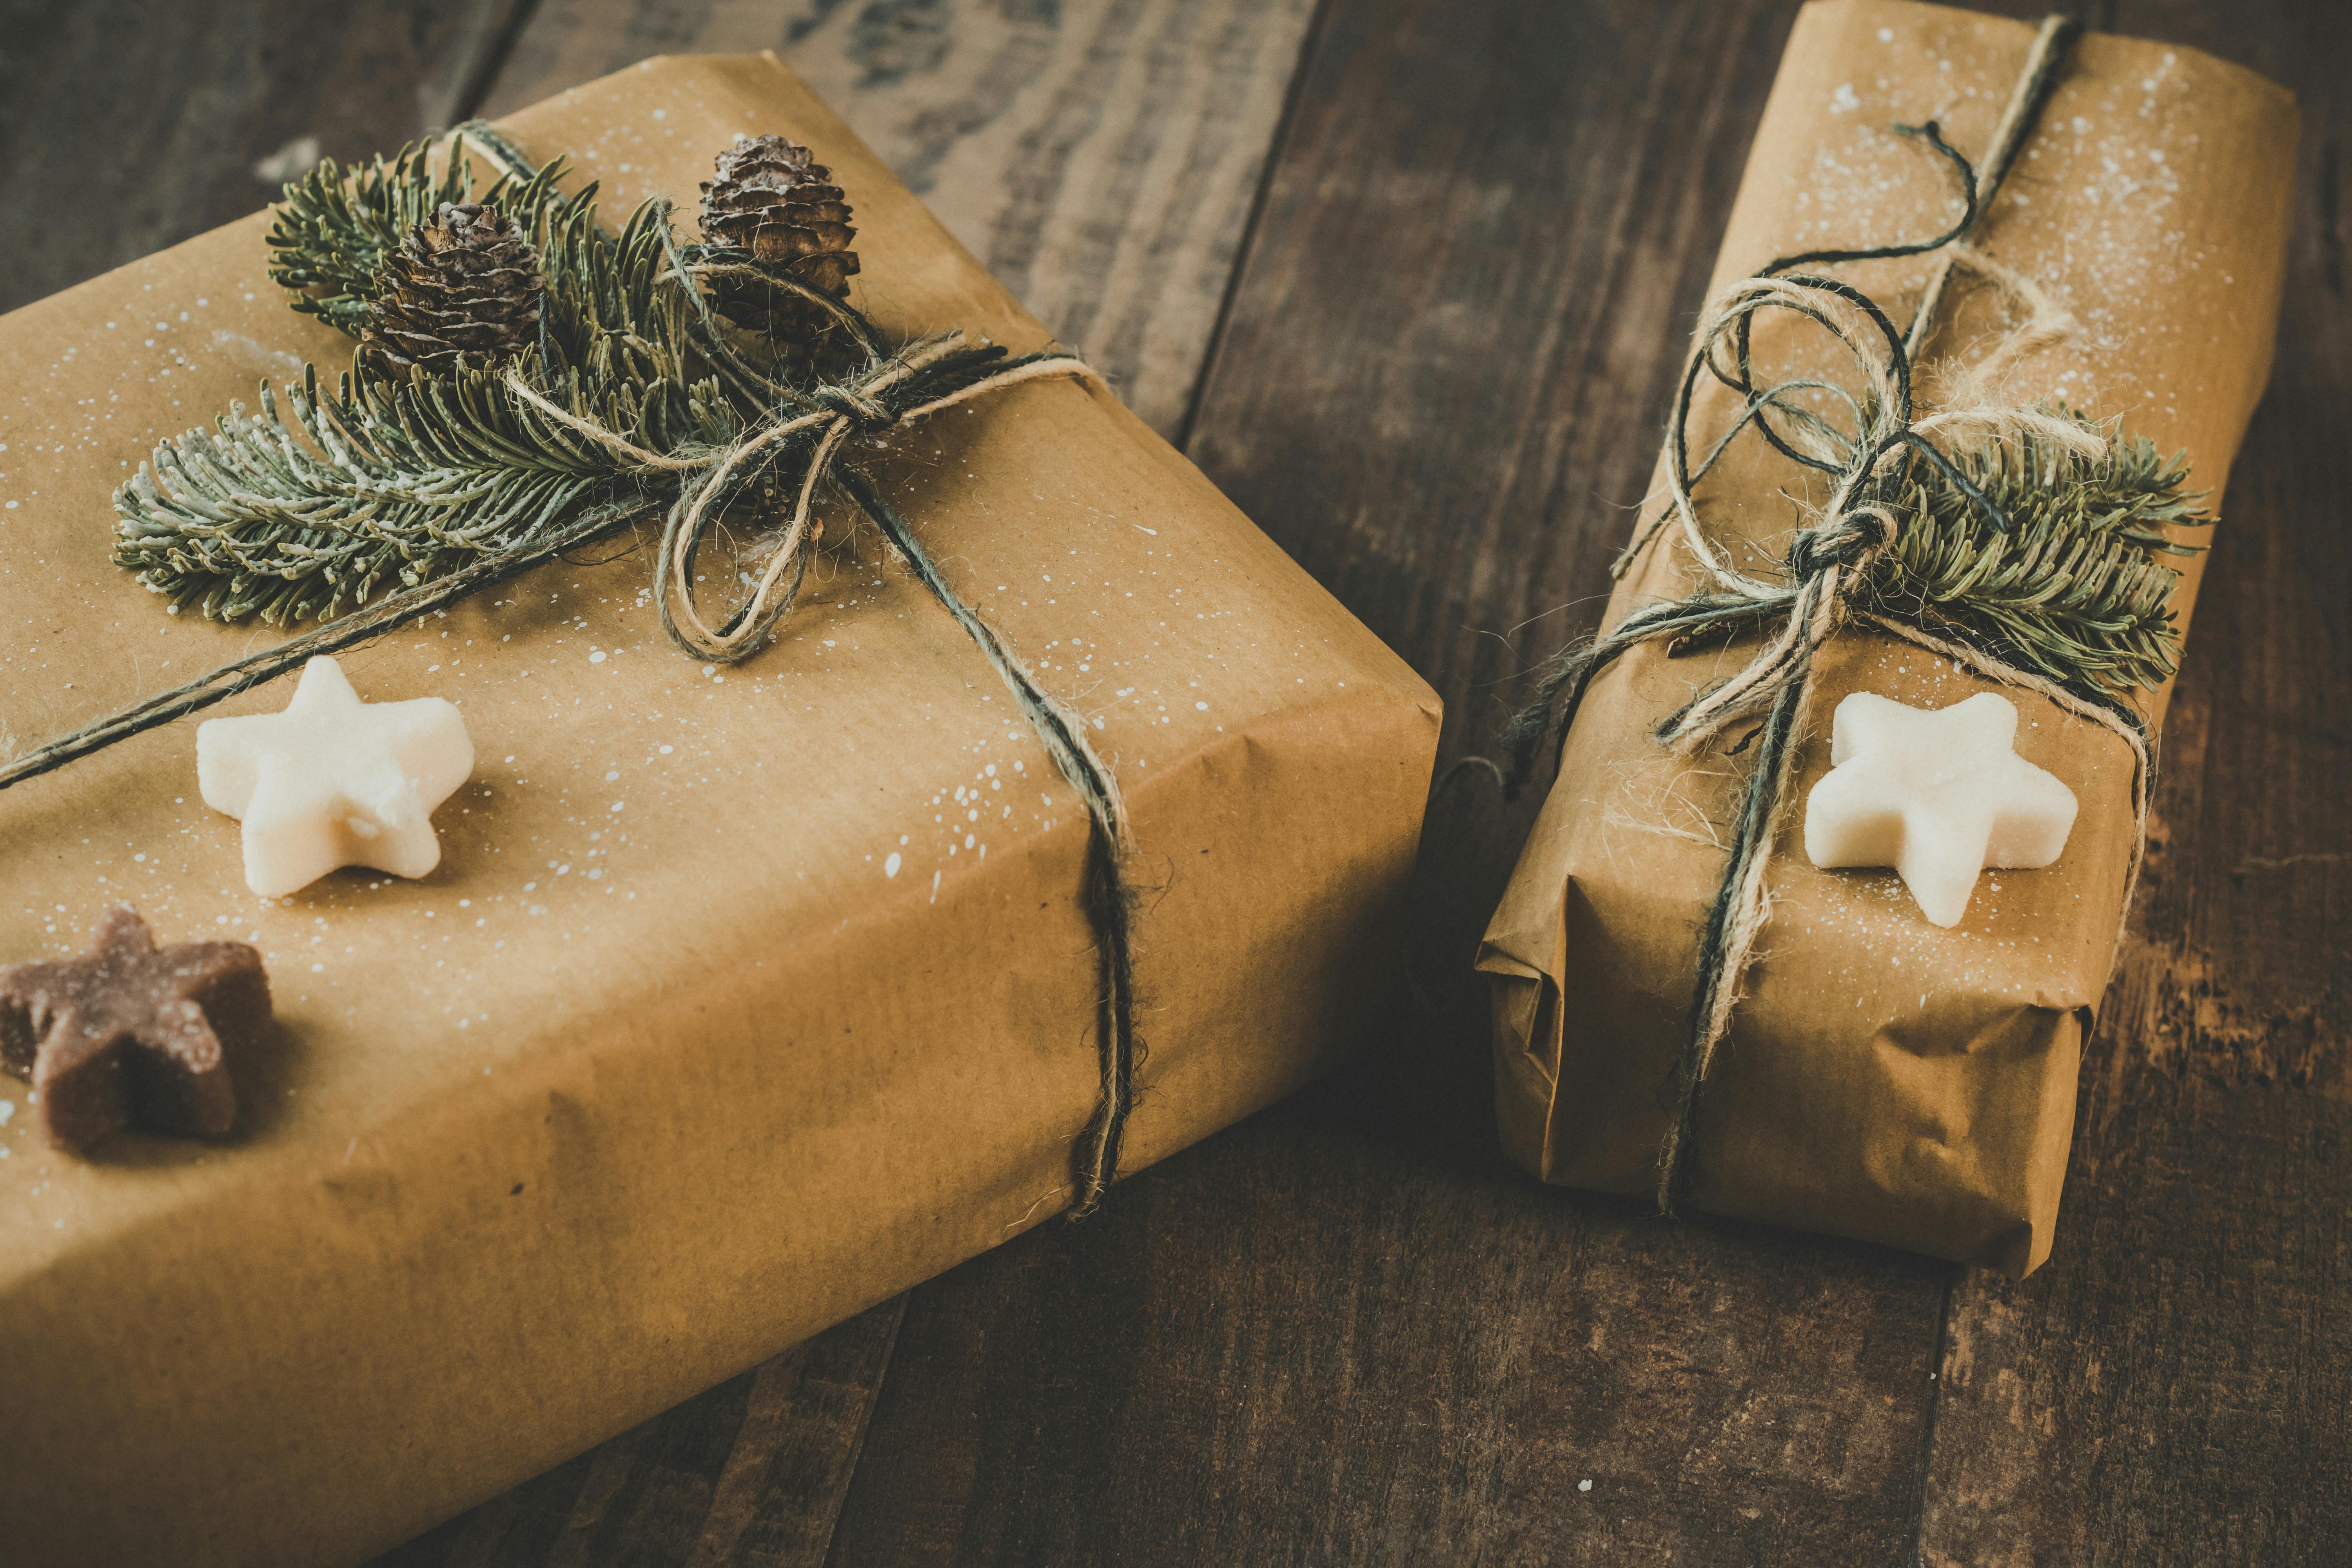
[
  {"x": 743, "y": 996},
  {"x": 1979, "y": 286}
]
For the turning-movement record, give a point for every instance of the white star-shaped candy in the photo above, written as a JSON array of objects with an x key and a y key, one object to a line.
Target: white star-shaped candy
[
  {"x": 1937, "y": 793},
  {"x": 333, "y": 781}
]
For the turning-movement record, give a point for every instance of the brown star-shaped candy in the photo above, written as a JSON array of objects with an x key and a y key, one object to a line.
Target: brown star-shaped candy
[{"x": 132, "y": 1032}]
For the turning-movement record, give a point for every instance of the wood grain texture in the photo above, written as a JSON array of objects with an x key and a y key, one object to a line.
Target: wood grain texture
[
  {"x": 129, "y": 125},
  {"x": 2176, "y": 1385},
  {"x": 1446, "y": 365},
  {"x": 1295, "y": 1343},
  {"x": 1100, "y": 157}
]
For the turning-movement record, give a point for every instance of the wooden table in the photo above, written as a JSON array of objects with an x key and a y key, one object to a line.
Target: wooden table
[{"x": 1410, "y": 280}]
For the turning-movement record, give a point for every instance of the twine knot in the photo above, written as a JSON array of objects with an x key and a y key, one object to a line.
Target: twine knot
[
  {"x": 868, "y": 416},
  {"x": 1849, "y": 542}
]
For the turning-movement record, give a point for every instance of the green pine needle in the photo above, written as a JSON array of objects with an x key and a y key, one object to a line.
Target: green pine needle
[
  {"x": 2074, "y": 593},
  {"x": 391, "y": 482}
]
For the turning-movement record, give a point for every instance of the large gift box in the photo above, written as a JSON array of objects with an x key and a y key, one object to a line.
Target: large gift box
[
  {"x": 1884, "y": 1077},
  {"x": 742, "y": 998}
]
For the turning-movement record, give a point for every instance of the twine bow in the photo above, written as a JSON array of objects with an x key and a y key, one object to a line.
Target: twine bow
[
  {"x": 814, "y": 428},
  {"x": 1827, "y": 564}
]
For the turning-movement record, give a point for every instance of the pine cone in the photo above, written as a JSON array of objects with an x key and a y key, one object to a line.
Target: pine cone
[
  {"x": 771, "y": 199},
  {"x": 465, "y": 291}
]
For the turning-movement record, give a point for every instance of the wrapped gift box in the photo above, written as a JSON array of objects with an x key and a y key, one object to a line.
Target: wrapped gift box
[
  {"x": 1884, "y": 1077},
  {"x": 742, "y": 999}
]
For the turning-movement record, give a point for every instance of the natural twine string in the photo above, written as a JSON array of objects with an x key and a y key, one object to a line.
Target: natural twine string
[
  {"x": 889, "y": 391},
  {"x": 1828, "y": 561}
]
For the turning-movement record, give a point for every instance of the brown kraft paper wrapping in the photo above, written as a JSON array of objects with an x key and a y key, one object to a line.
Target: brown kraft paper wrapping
[
  {"x": 741, "y": 1000},
  {"x": 1885, "y": 1079}
]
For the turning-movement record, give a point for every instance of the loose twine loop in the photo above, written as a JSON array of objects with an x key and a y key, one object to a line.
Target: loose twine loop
[
  {"x": 874, "y": 401},
  {"x": 817, "y": 426},
  {"x": 1827, "y": 564}
]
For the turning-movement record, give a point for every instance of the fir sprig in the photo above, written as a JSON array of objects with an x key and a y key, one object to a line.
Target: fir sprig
[
  {"x": 394, "y": 479},
  {"x": 2073, "y": 592}
]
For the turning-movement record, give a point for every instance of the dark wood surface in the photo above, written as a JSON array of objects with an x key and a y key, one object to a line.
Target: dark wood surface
[
  {"x": 1431, "y": 359},
  {"x": 129, "y": 125}
]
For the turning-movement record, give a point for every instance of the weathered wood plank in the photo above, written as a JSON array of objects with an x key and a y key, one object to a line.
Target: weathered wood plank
[
  {"x": 2176, "y": 1385},
  {"x": 1099, "y": 155},
  {"x": 129, "y": 125},
  {"x": 750, "y": 1473},
  {"x": 1295, "y": 1343},
  {"x": 1345, "y": 1331}
]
